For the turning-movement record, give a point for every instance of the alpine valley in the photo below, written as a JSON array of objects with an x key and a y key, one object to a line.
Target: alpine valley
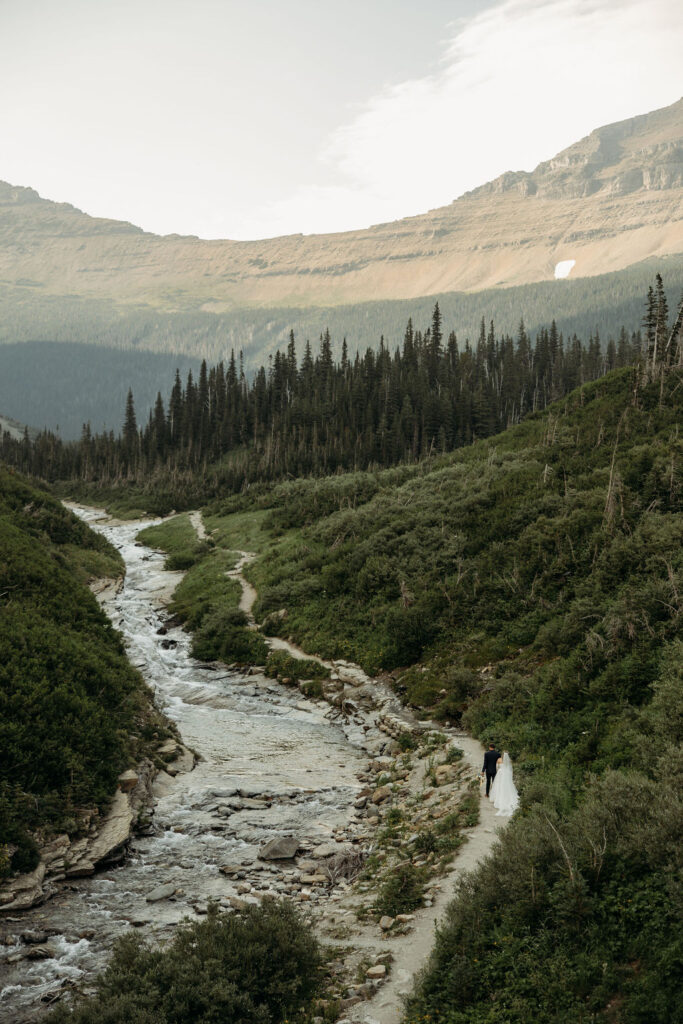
[{"x": 350, "y": 509}]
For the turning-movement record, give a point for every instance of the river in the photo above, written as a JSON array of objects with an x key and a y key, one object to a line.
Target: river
[{"x": 254, "y": 738}]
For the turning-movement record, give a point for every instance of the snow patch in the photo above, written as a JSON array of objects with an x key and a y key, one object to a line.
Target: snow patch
[{"x": 563, "y": 268}]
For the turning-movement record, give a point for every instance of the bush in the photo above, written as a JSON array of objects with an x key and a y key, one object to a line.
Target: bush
[
  {"x": 401, "y": 891},
  {"x": 406, "y": 741},
  {"x": 283, "y": 665},
  {"x": 312, "y": 688},
  {"x": 224, "y": 635},
  {"x": 257, "y": 968}
]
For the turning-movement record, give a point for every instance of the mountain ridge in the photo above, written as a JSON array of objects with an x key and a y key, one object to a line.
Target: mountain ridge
[{"x": 608, "y": 201}]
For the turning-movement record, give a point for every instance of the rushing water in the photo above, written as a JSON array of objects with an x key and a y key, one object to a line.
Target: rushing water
[{"x": 253, "y": 737}]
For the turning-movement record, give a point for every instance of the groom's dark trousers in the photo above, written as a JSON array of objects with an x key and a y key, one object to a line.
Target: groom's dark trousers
[{"x": 490, "y": 767}]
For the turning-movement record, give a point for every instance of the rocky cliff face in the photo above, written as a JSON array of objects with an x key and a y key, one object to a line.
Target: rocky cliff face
[{"x": 607, "y": 202}]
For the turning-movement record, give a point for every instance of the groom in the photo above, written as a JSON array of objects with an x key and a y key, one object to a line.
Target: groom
[{"x": 490, "y": 759}]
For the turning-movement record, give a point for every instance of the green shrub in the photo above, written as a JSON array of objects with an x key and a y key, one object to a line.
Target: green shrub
[
  {"x": 258, "y": 968},
  {"x": 283, "y": 665},
  {"x": 225, "y": 636},
  {"x": 312, "y": 688},
  {"x": 401, "y": 891},
  {"x": 406, "y": 740}
]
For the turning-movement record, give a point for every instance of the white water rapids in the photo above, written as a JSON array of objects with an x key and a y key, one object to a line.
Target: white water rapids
[{"x": 254, "y": 738}]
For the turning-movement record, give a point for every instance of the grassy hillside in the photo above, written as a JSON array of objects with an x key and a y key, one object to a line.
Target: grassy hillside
[
  {"x": 73, "y": 713},
  {"x": 530, "y": 587}
]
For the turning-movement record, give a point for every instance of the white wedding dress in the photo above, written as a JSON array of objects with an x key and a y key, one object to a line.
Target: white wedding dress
[{"x": 503, "y": 791}]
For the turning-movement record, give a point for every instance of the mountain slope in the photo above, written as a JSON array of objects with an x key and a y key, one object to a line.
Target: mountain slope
[
  {"x": 534, "y": 579},
  {"x": 611, "y": 200}
]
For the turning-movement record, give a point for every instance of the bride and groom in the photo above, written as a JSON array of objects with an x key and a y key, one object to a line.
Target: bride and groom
[{"x": 499, "y": 785}]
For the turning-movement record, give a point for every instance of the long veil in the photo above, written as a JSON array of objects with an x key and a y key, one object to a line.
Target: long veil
[{"x": 505, "y": 796}]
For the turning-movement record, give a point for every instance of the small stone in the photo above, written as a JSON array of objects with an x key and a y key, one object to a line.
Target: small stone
[
  {"x": 386, "y": 923},
  {"x": 381, "y": 794},
  {"x": 376, "y": 972}
]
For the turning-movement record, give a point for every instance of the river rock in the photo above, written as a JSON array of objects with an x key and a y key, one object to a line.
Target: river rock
[
  {"x": 381, "y": 794},
  {"x": 386, "y": 923},
  {"x": 41, "y": 952},
  {"x": 55, "y": 850},
  {"x": 162, "y": 892},
  {"x": 128, "y": 780},
  {"x": 376, "y": 972},
  {"x": 113, "y": 833},
  {"x": 282, "y": 848},
  {"x": 168, "y": 747},
  {"x": 23, "y": 891},
  {"x": 34, "y": 938},
  {"x": 324, "y": 850},
  {"x": 231, "y": 869}
]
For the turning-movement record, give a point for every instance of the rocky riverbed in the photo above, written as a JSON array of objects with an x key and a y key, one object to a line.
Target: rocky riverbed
[{"x": 282, "y": 796}]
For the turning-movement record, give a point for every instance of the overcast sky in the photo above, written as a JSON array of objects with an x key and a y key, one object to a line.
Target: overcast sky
[{"x": 253, "y": 118}]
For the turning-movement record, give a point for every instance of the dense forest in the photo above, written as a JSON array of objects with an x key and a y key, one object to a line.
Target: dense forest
[
  {"x": 315, "y": 415},
  {"x": 72, "y": 709}
]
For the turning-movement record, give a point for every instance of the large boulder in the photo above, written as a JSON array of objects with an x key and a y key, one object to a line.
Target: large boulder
[
  {"x": 282, "y": 848},
  {"x": 24, "y": 891},
  {"x": 128, "y": 780}
]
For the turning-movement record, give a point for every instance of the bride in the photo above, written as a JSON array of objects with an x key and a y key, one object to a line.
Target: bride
[{"x": 503, "y": 791}]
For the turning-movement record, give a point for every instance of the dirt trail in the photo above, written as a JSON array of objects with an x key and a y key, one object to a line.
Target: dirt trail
[
  {"x": 410, "y": 950},
  {"x": 198, "y": 523}
]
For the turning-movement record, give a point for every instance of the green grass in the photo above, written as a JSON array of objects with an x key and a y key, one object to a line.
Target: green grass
[
  {"x": 178, "y": 538},
  {"x": 242, "y": 531},
  {"x": 206, "y": 588}
]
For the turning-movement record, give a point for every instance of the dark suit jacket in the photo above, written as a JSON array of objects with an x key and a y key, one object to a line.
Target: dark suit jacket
[{"x": 490, "y": 759}]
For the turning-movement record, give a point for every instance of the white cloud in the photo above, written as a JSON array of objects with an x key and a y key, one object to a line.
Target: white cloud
[{"x": 517, "y": 83}]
